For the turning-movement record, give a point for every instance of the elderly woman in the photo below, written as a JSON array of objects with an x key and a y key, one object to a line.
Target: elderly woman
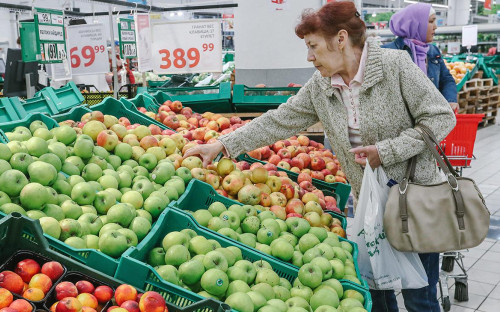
[
  {"x": 369, "y": 100},
  {"x": 415, "y": 27}
]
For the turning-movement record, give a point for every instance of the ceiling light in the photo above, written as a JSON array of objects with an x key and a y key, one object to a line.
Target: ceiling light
[{"x": 433, "y": 4}]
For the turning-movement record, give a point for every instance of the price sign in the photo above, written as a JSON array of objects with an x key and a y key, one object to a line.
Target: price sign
[
  {"x": 469, "y": 35},
  {"x": 187, "y": 47},
  {"x": 126, "y": 31},
  {"x": 454, "y": 47},
  {"x": 143, "y": 30},
  {"x": 50, "y": 36},
  {"x": 87, "y": 49}
]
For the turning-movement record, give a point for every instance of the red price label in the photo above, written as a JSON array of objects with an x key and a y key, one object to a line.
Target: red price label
[
  {"x": 178, "y": 56},
  {"x": 88, "y": 53}
]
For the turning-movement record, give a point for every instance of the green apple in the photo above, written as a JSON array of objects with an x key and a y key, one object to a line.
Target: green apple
[
  {"x": 76, "y": 242},
  {"x": 4, "y": 166},
  {"x": 215, "y": 282},
  {"x": 58, "y": 149},
  {"x": 176, "y": 255},
  {"x": 264, "y": 289},
  {"x": 324, "y": 265},
  {"x": 140, "y": 226},
  {"x": 310, "y": 275},
  {"x": 248, "y": 268},
  {"x": 43, "y": 173},
  {"x": 267, "y": 215},
  {"x": 122, "y": 214},
  {"x": 5, "y": 152},
  {"x": 8, "y": 208},
  {"x": 98, "y": 160},
  {"x": 277, "y": 305},
  {"x": 202, "y": 216},
  {"x": 123, "y": 150},
  {"x": 191, "y": 272},
  {"x": 268, "y": 276},
  {"x": 248, "y": 239},
  {"x": 114, "y": 161},
  {"x": 199, "y": 245},
  {"x": 113, "y": 243},
  {"x": 125, "y": 179},
  {"x": 131, "y": 163},
  {"x": 242, "y": 302},
  {"x": 108, "y": 227},
  {"x": 103, "y": 201},
  {"x": 326, "y": 251},
  {"x": 332, "y": 241},
  {"x": 91, "y": 172},
  {"x": 155, "y": 205},
  {"x": 184, "y": 173},
  {"x": 175, "y": 238},
  {"x": 281, "y": 292},
  {"x": 169, "y": 273},
  {"x": 133, "y": 198},
  {"x": 93, "y": 221},
  {"x": 170, "y": 192},
  {"x": 216, "y": 223},
  {"x": 156, "y": 257},
  {"x": 92, "y": 241},
  {"x": 282, "y": 250},
  {"x": 83, "y": 148},
  {"x": 232, "y": 218},
  {"x": 176, "y": 183},
  {"x": 69, "y": 227},
  {"x": 266, "y": 236},
  {"x": 77, "y": 161},
  {"x": 264, "y": 248},
  {"x": 12, "y": 182},
  {"x": 335, "y": 285},
  {"x": 34, "y": 196},
  {"x": 108, "y": 181},
  {"x": 116, "y": 193},
  {"x": 50, "y": 226},
  {"x": 148, "y": 161},
  {"x": 324, "y": 297},
  {"x": 237, "y": 286},
  {"x": 229, "y": 233},
  {"x": 21, "y": 162},
  {"x": 70, "y": 169},
  {"x": 140, "y": 171},
  {"x": 216, "y": 208},
  {"x": 100, "y": 151},
  {"x": 83, "y": 193},
  {"x": 297, "y": 302},
  {"x": 319, "y": 232},
  {"x": 132, "y": 239},
  {"x": 4, "y": 198},
  {"x": 74, "y": 180},
  {"x": 145, "y": 187},
  {"x": 163, "y": 172},
  {"x": 65, "y": 134},
  {"x": 54, "y": 211},
  {"x": 307, "y": 241},
  {"x": 215, "y": 259},
  {"x": 37, "y": 124},
  {"x": 35, "y": 214},
  {"x": 298, "y": 226}
]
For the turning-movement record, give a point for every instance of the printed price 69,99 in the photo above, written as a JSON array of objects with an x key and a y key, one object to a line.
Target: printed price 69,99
[
  {"x": 177, "y": 57},
  {"x": 88, "y": 53}
]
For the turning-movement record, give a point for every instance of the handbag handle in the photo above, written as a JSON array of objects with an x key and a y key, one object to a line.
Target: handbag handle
[{"x": 444, "y": 163}]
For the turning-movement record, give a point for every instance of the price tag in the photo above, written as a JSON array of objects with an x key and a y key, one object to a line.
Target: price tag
[
  {"x": 87, "y": 49},
  {"x": 126, "y": 31},
  {"x": 143, "y": 30},
  {"x": 454, "y": 47},
  {"x": 187, "y": 47},
  {"x": 50, "y": 36},
  {"x": 469, "y": 35}
]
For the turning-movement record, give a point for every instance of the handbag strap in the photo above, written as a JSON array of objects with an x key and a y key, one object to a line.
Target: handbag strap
[{"x": 451, "y": 174}]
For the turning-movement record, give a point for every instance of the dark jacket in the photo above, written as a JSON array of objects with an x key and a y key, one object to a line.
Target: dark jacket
[{"x": 436, "y": 69}]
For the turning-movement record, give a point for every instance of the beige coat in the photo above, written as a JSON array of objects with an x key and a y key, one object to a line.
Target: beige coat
[{"x": 395, "y": 95}]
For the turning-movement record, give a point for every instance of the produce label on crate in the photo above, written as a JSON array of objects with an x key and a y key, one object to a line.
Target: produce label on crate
[
  {"x": 50, "y": 35},
  {"x": 187, "y": 47},
  {"x": 87, "y": 49},
  {"x": 126, "y": 31},
  {"x": 143, "y": 29}
]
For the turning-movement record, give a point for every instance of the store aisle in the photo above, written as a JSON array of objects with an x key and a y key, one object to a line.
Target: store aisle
[{"x": 483, "y": 262}]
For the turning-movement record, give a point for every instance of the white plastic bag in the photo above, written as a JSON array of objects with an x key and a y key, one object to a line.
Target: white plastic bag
[{"x": 380, "y": 265}]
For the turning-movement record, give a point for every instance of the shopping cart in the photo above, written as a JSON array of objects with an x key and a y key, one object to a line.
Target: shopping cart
[{"x": 458, "y": 146}]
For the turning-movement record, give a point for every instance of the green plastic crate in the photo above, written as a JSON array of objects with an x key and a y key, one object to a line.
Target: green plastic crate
[
  {"x": 7, "y": 111},
  {"x": 43, "y": 103},
  {"x": 20, "y": 233},
  {"x": 26, "y": 121},
  {"x": 74, "y": 114},
  {"x": 134, "y": 260},
  {"x": 216, "y": 99},
  {"x": 67, "y": 97},
  {"x": 142, "y": 100},
  {"x": 341, "y": 189},
  {"x": 200, "y": 195},
  {"x": 247, "y": 99}
]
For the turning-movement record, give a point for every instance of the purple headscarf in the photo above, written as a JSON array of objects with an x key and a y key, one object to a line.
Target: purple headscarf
[{"x": 411, "y": 24}]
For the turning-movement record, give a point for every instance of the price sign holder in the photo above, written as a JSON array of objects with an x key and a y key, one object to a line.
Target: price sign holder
[
  {"x": 187, "y": 47},
  {"x": 126, "y": 33},
  {"x": 50, "y": 36}
]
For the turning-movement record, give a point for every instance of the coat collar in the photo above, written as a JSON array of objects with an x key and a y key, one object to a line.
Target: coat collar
[{"x": 373, "y": 70}]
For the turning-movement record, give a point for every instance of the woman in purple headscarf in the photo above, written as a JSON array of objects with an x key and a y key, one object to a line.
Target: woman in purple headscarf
[{"x": 415, "y": 27}]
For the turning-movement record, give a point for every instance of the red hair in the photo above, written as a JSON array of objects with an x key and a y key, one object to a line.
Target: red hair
[{"x": 330, "y": 19}]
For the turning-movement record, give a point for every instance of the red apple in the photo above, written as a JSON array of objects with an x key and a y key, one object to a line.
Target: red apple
[
  {"x": 103, "y": 293},
  {"x": 27, "y": 268},
  {"x": 274, "y": 159},
  {"x": 304, "y": 177},
  {"x": 52, "y": 269},
  {"x": 65, "y": 289},
  {"x": 84, "y": 287}
]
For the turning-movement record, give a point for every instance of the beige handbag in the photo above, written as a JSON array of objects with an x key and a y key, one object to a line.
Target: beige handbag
[{"x": 448, "y": 216}]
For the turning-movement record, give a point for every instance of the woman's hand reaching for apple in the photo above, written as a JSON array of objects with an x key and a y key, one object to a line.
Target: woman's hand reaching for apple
[{"x": 207, "y": 152}]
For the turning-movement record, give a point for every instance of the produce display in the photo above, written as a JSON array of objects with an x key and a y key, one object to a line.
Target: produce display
[
  {"x": 459, "y": 69},
  {"x": 93, "y": 183},
  {"x": 44, "y": 285},
  {"x": 203, "y": 266}
]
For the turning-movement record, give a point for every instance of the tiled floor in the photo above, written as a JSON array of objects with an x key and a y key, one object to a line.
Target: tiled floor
[{"x": 483, "y": 262}]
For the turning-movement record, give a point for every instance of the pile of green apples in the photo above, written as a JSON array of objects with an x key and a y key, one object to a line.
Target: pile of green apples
[
  {"x": 293, "y": 240},
  {"x": 203, "y": 266},
  {"x": 88, "y": 195}
]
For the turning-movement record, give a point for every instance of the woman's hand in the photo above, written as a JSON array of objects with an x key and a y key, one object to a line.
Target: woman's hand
[
  {"x": 207, "y": 152},
  {"x": 367, "y": 152},
  {"x": 454, "y": 107}
]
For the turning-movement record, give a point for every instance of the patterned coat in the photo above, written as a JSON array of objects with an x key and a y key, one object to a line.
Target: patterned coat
[{"x": 395, "y": 95}]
